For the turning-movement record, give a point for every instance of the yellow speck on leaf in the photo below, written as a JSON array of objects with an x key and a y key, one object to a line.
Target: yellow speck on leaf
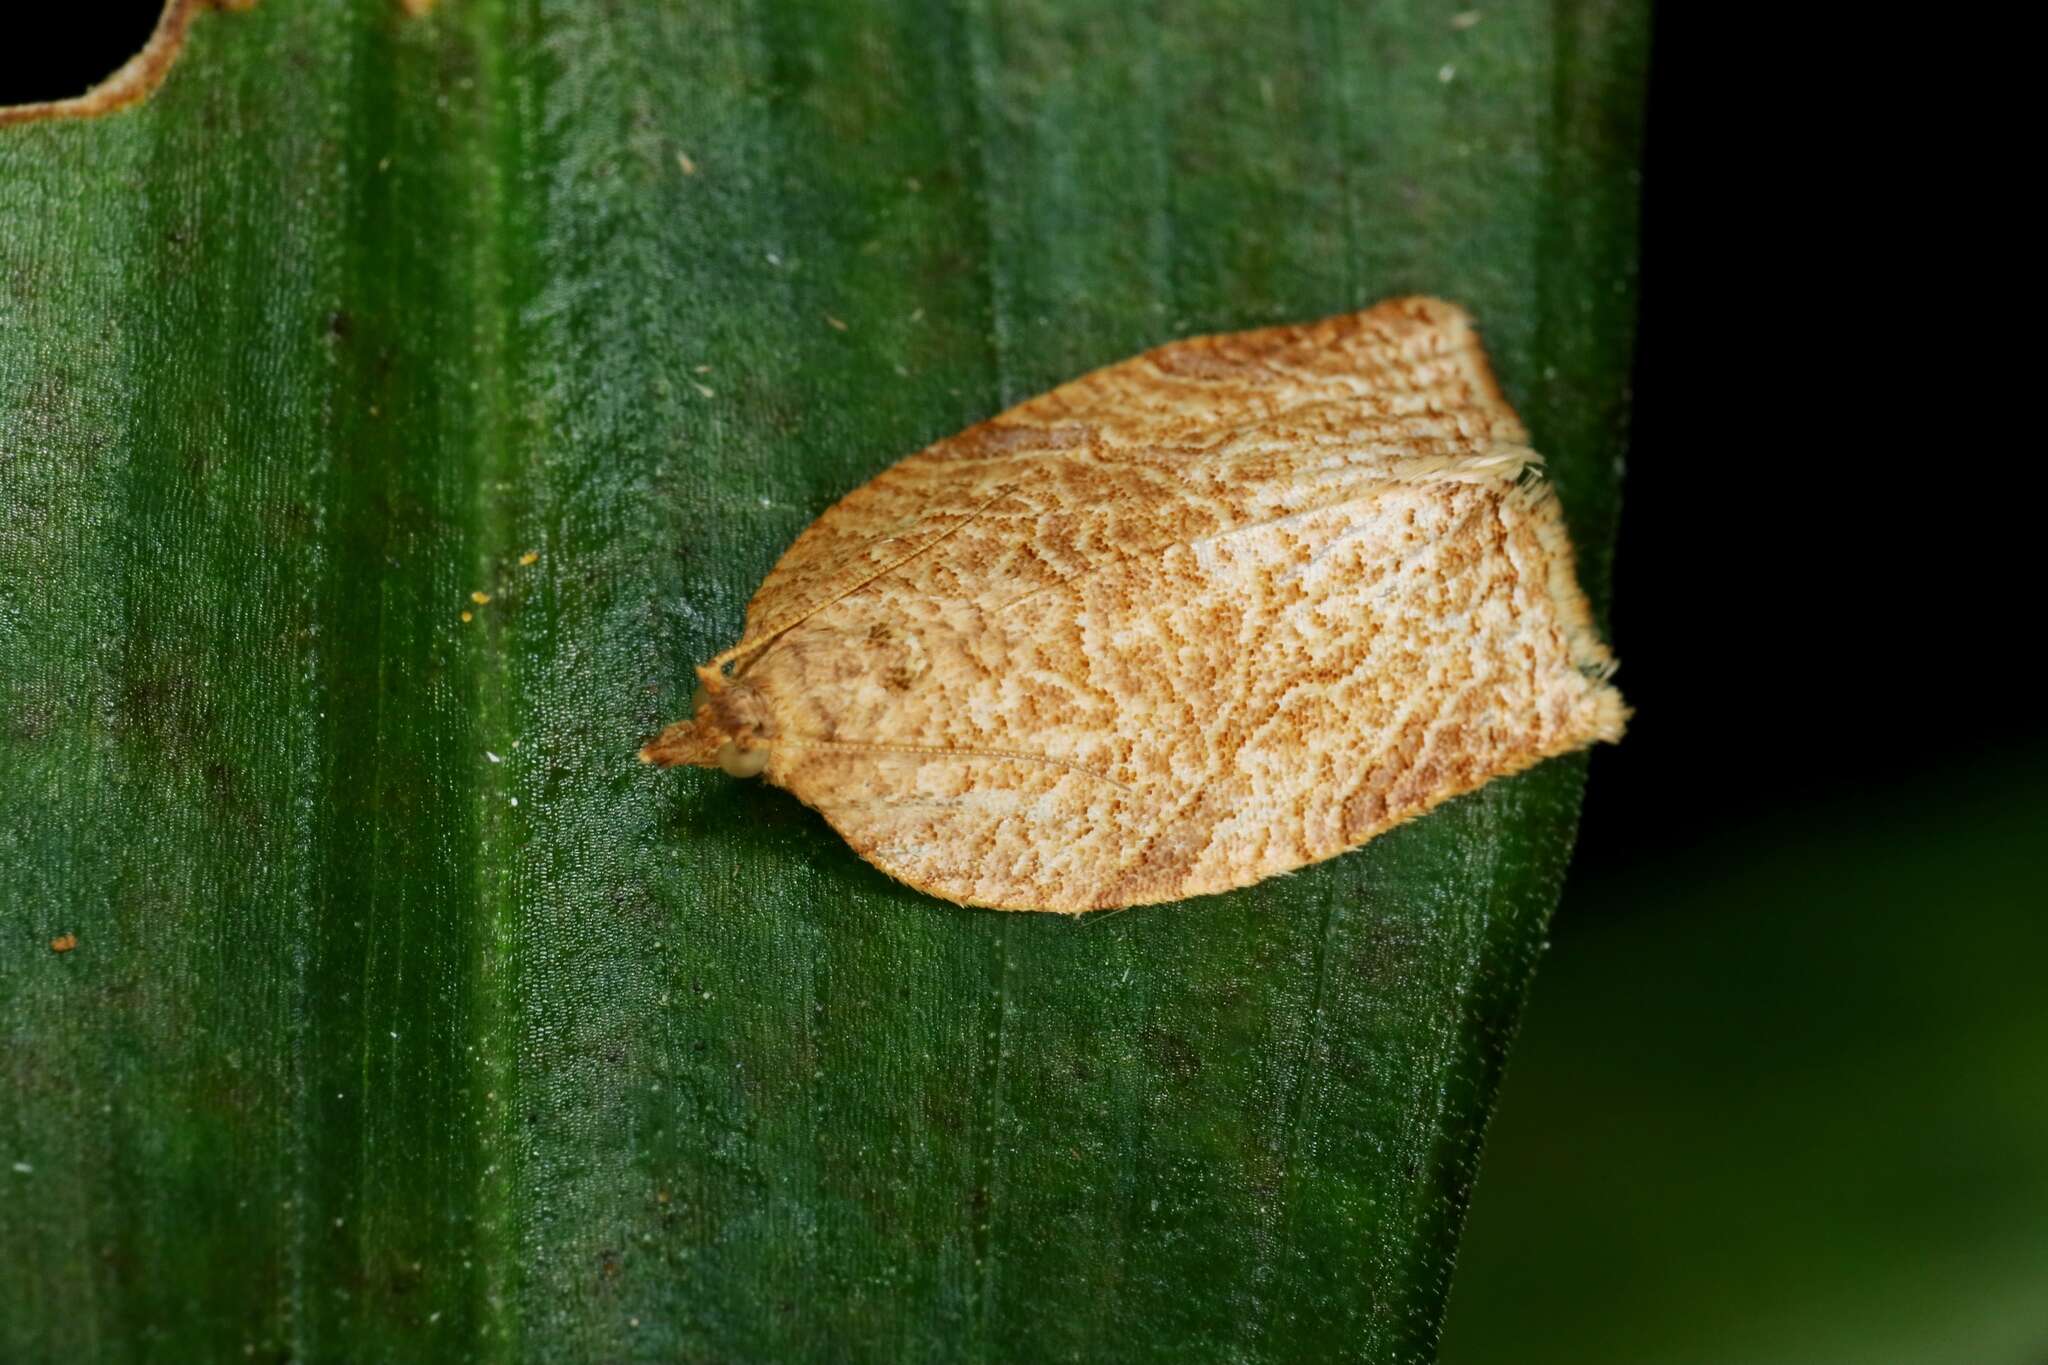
[
  {"x": 834, "y": 323},
  {"x": 683, "y": 160},
  {"x": 530, "y": 557},
  {"x": 469, "y": 616},
  {"x": 479, "y": 597}
]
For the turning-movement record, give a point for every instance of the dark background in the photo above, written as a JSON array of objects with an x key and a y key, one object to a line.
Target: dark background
[
  {"x": 1782, "y": 1093},
  {"x": 68, "y": 49},
  {"x": 1806, "y": 598}
]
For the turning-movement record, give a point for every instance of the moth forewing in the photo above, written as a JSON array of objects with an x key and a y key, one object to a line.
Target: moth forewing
[{"x": 1222, "y": 610}]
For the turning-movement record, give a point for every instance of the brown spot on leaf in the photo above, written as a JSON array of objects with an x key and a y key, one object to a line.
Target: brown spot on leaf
[{"x": 63, "y": 943}]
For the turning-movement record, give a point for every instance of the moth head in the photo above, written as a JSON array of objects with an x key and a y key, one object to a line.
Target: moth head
[{"x": 727, "y": 729}]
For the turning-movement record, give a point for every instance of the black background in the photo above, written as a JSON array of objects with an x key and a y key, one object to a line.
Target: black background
[
  {"x": 1821, "y": 587},
  {"x": 65, "y": 50}
]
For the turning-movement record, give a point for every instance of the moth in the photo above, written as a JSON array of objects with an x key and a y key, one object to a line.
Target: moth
[{"x": 1222, "y": 610}]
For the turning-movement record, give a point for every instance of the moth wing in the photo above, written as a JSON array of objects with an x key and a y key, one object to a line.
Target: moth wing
[
  {"x": 1204, "y": 616},
  {"x": 1234, "y": 707},
  {"x": 1193, "y": 438}
]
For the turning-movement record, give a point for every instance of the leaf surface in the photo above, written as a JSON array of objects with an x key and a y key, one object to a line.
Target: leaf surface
[{"x": 409, "y": 1016}]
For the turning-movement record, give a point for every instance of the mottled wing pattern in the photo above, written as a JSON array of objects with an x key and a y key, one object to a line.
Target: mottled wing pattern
[
  {"x": 1189, "y": 439},
  {"x": 1228, "y": 608}
]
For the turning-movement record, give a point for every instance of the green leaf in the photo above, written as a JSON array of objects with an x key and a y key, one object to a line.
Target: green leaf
[{"x": 410, "y": 1017}]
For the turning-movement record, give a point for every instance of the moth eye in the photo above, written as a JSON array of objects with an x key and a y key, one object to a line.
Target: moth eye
[
  {"x": 698, "y": 698},
  {"x": 739, "y": 762}
]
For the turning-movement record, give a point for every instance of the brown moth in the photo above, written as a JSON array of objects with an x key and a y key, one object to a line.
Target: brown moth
[{"x": 1228, "y": 608}]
